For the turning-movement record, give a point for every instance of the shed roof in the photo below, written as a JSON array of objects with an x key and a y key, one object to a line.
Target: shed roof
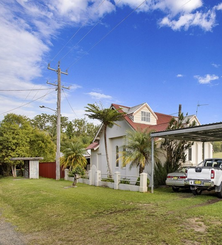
[
  {"x": 26, "y": 158},
  {"x": 203, "y": 133},
  {"x": 93, "y": 146}
]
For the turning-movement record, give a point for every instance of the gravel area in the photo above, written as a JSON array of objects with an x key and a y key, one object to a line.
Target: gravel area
[{"x": 8, "y": 234}]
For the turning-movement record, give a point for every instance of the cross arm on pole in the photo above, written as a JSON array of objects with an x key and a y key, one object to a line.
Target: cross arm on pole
[
  {"x": 65, "y": 73},
  {"x": 49, "y": 68}
]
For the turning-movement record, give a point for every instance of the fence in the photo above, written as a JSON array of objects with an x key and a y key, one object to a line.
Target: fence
[
  {"x": 116, "y": 183},
  {"x": 48, "y": 170}
]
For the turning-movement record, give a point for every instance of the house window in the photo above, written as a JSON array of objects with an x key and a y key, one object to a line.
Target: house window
[
  {"x": 117, "y": 156},
  {"x": 145, "y": 116},
  {"x": 190, "y": 154}
]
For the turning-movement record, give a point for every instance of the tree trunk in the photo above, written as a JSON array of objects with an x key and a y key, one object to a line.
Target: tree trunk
[
  {"x": 141, "y": 169},
  {"x": 107, "y": 157},
  {"x": 74, "y": 181},
  {"x": 14, "y": 171}
]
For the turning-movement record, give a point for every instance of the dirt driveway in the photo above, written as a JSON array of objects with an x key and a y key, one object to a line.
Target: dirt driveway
[{"x": 8, "y": 234}]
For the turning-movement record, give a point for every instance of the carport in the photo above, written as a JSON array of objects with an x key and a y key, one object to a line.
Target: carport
[{"x": 202, "y": 133}]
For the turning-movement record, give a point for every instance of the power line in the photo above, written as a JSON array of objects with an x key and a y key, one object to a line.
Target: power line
[
  {"x": 23, "y": 90},
  {"x": 74, "y": 36},
  {"x": 26, "y": 103},
  {"x": 36, "y": 93},
  {"x": 68, "y": 102},
  {"x": 109, "y": 32},
  {"x": 80, "y": 40},
  {"x": 186, "y": 2},
  {"x": 86, "y": 33},
  {"x": 114, "y": 29}
]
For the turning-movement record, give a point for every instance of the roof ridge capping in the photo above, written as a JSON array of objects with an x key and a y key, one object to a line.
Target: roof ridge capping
[{"x": 130, "y": 110}]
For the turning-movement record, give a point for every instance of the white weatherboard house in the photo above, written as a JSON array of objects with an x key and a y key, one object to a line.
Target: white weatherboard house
[{"x": 137, "y": 118}]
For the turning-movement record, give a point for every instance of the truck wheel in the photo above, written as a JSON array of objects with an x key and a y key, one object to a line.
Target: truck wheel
[
  {"x": 176, "y": 189},
  {"x": 197, "y": 192}
]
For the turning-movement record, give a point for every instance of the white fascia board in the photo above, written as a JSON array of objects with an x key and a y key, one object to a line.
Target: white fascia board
[{"x": 145, "y": 104}]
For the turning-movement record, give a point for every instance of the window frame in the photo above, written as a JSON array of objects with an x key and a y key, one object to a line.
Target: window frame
[
  {"x": 190, "y": 154},
  {"x": 117, "y": 156},
  {"x": 145, "y": 116}
]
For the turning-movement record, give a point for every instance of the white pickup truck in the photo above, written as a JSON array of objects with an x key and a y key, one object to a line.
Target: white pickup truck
[{"x": 206, "y": 176}]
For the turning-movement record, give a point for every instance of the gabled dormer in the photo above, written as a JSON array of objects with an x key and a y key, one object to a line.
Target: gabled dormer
[
  {"x": 143, "y": 114},
  {"x": 192, "y": 119}
]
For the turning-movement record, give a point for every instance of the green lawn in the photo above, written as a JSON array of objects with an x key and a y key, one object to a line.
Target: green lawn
[
  {"x": 217, "y": 154},
  {"x": 47, "y": 212}
]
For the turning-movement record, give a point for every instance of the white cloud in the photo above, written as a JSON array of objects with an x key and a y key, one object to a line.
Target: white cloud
[
  {"x": 206, "y": 79},
  {"x": 219, "y": 6},
  {"x": 171, "y": 7},
  {"x": 174, "y": 7},
  {"x": 204, "y": 20},
  {"x": 178, "y": 13},
  {"x": 81, "y": 11},
  {"x": 98, "y": 96},
  {"x": 27, "y": 28},
  {"x": 215, "y": 65},
  {"x": 21, "y": 58},
  {"x": 179, "y": 75},
  {"x": 141, "y": 5}
]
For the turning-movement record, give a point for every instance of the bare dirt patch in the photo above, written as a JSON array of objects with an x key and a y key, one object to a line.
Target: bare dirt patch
[
  {"x": 196, "y": 224},
  {"x": 9, "y": 235},
  {"x": 209, "y": 202}
]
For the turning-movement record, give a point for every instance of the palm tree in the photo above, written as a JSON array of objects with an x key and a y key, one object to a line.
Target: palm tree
[
  {"x": 74, "y": 159},
  {"x": 137, "y": 150},
  {"x": 107, "y": 117}
]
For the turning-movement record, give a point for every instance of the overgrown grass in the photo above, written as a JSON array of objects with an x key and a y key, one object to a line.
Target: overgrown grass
[
  {"x": 217, "y": 154},
  {"x": 47, "y": 212}
]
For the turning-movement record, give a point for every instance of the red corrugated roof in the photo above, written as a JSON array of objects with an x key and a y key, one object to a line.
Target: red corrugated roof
[
  {"x": 162, "y": 121},
  {"x": 92, "y": 146}
]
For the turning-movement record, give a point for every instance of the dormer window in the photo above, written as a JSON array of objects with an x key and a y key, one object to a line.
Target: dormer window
[{"x": 145, "y": 116}]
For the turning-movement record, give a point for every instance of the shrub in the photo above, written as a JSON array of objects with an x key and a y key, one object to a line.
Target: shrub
[
  {"x": 160, "y": 174},
  {"x": 77, "y": 170},
  {"x": 107, "y": 180},
  {"x": 138, "y": 182},
  {"x": 84, "y": 177},
  {"x": 124, "y": 181}
]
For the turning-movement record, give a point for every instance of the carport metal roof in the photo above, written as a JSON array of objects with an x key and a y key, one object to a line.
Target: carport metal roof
[{"x": 202, "y": 133}]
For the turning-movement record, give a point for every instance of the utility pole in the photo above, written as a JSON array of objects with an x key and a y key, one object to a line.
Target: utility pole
[
  {"x": 58, "y": 111},
  {"x": 179, "y": 111}
]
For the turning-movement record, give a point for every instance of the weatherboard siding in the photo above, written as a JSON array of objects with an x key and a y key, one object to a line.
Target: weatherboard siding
[{"x": 137, "y": 116}]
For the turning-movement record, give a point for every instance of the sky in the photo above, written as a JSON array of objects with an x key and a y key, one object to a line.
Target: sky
[{"x": 127, "y": 52}]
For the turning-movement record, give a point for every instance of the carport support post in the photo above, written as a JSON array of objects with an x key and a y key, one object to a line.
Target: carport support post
[
  {"x": 152, "y": 164},
  {"x": 203, "y": 150}
]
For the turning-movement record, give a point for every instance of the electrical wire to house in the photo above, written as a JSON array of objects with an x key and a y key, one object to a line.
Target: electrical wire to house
[
  {"x": 98, "y": 22},
  {"x": 76, "y": 34},
  {"x": 69, "y": 102},
  {"x": 186, "y": 2},
  {"x": 23, "y": 105},
  {"x": 118, "y": 24},
  {"x": 23, "y": 90},
  {"x": 135, "y": 9}
]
